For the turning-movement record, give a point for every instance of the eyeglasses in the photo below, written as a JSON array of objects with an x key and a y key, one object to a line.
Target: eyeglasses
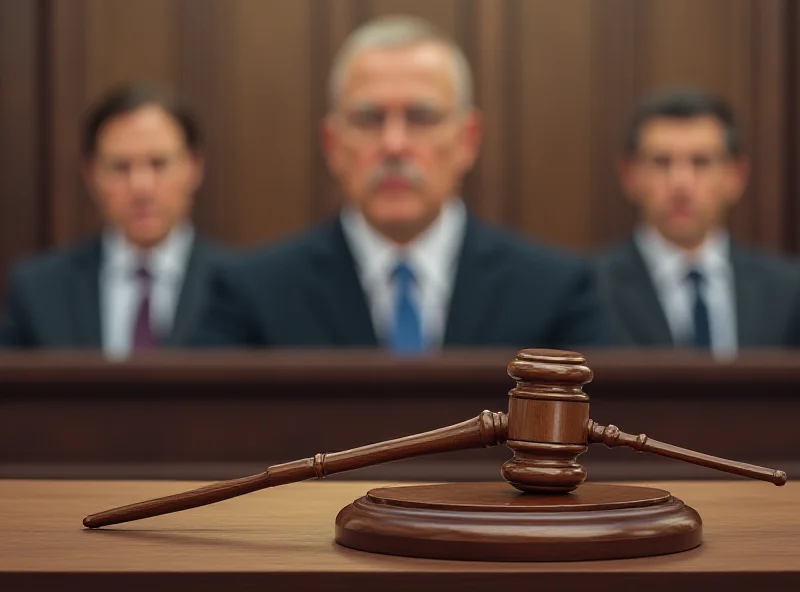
[{"x": 419, "y": 121}]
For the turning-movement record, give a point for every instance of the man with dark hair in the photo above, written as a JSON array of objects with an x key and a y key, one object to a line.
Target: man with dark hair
[
  {"x": 142, "y": 282},
  {"x": 404, "y": 266},
  {"x": 680, "y": 281}
]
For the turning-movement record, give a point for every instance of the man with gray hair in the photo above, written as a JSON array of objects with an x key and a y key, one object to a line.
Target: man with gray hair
[{"x": 404, "y": 265}]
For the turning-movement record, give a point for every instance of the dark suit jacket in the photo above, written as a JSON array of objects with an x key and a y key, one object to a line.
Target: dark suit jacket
[
  {"x": 305, "y": 292},
  {"x": 53, "y": 299},
  {"x": 767, "y": 298}
]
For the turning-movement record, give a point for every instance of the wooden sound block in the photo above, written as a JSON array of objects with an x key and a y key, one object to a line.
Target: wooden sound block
[{"x": 494, "y": 522}]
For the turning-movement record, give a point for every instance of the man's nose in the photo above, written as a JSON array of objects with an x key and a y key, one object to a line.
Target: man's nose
[
  {"x": 395, "y": 139},
  {"x": 142, "y": 178},
  {"x": 682, "y": 174}
]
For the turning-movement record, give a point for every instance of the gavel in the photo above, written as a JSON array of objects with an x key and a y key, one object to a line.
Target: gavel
[{"x": 547, "y": 427}]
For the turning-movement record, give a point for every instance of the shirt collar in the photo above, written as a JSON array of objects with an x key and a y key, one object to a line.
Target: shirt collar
[
  {"x": 668, "y": 262},
  {"x": 432, "y": 255},
  {"x": 167, "y": 259}
]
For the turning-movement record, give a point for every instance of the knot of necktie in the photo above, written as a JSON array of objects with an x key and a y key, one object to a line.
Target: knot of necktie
[
  {"x": 403, "y": 274},
  {"x": 143, "y": 275},
  {"x": 696, "y": 277}
]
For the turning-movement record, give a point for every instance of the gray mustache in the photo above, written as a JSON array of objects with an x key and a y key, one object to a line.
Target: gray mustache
[{"x": 395, "y": 168}]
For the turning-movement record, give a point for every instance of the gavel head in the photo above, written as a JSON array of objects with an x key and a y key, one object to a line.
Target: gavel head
[{"x": 548, "y": 417}]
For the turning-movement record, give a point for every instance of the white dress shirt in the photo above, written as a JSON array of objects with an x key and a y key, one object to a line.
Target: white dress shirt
[
  {"x": 120, "y": 293},
  {"x": 433, "y": 257},
  {"x": 669, "y": 265}
]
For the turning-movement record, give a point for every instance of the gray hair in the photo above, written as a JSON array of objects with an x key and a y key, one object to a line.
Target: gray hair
[{"x": 398, "y": 32}]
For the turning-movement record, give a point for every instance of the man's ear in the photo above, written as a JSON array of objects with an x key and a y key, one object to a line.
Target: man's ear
[
  {"x": 472, "y": 138},
  {"x": 739, "y": 177},
  {"x": 199, "y": 163},
  {"x": 626, "y": 165},
  {"x": 88, "y": 170},
  {"x": 330, "y": 143}
]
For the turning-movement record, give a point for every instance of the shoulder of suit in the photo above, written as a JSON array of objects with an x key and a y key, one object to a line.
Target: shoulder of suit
[
  {"x": 214, "y": 250},
  {"x": 611, "y": 255},
  {"x": 286, "y": 253},
  {"x": 766, "y": 262},
  {"x": 521, "y": 250},
  {"x": 54, "y": 262}
]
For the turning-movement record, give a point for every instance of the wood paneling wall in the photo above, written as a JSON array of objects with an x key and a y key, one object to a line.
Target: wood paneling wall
[
  {"x": 555, "y": 80},
  {"x": 21, "y": 133},
  {"x": 792, "y": 155}
]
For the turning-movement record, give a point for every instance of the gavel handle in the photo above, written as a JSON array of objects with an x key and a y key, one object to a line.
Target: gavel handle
[
  {"x": 488, "y": 429},
  {"x": 612, "y": 436}
]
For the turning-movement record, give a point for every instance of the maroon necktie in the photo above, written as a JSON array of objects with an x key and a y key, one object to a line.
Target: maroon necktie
[{"x": 143, "y": 337}]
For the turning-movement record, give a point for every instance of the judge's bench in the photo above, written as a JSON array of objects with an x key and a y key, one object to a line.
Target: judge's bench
[
  {"x": 79, "y": 433},
  {"x": 218, "y": 414}
]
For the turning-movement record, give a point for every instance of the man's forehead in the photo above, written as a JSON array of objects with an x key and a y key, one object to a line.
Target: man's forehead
[
  {"x": 421, "y": 72},
  {"x": 147, "y": 125},
  {"x": 702, "y": 131}
]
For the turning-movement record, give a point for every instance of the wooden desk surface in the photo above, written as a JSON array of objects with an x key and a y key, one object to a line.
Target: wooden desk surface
[{"x": 284, "y": 537}]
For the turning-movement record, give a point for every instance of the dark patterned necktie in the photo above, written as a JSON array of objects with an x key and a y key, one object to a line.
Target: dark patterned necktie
[
  {"x": 702, "y": 326},
  {"x": 143, "y": 337}
]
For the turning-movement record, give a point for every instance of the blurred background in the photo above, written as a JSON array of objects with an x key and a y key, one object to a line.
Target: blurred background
[{"x": 555, "y": 81}]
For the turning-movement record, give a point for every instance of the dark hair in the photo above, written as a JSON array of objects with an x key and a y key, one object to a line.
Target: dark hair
[
  {"x": 128, "y": 98},
  {"x": 684, "y": 103}
]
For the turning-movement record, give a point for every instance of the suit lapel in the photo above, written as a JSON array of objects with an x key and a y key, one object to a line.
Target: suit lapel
[
  {"x": 192, "y": 293},
  {"x": 748, "y": 298},
  {"x": 637, "y": 303},
  {"x": 336, "y": 293},
  {"x": 84, "y": 296},
  {"x": 475, "y": 287}
]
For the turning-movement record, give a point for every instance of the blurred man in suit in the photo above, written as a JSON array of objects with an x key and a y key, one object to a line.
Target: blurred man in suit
[
  {"x": 680, "y": 280},
  {"x": 404, "y": 265},
  {"x": 142, "y": 282}
]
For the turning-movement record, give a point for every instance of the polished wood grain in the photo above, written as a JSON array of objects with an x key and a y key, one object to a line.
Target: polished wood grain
[
  {"x": 493, "y": 522},
  {"x": 624, "y": 368},
  {"x": 612, "y": 436},
  {"x": 549, "y": 427},
  {"x": 536, "y": 420},
  {"x": 539, "y": 465},
  {"x": 499, "y": 497},
  {"x": 488, "y": 429},
  {"x": 284, "y": 537},
  {"x": 548, "y": 414}
]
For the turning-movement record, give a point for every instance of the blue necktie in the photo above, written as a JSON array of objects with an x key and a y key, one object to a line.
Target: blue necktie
[
  {"x": 702, "y": 327},
  {"x": 406, "y": 334}
]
